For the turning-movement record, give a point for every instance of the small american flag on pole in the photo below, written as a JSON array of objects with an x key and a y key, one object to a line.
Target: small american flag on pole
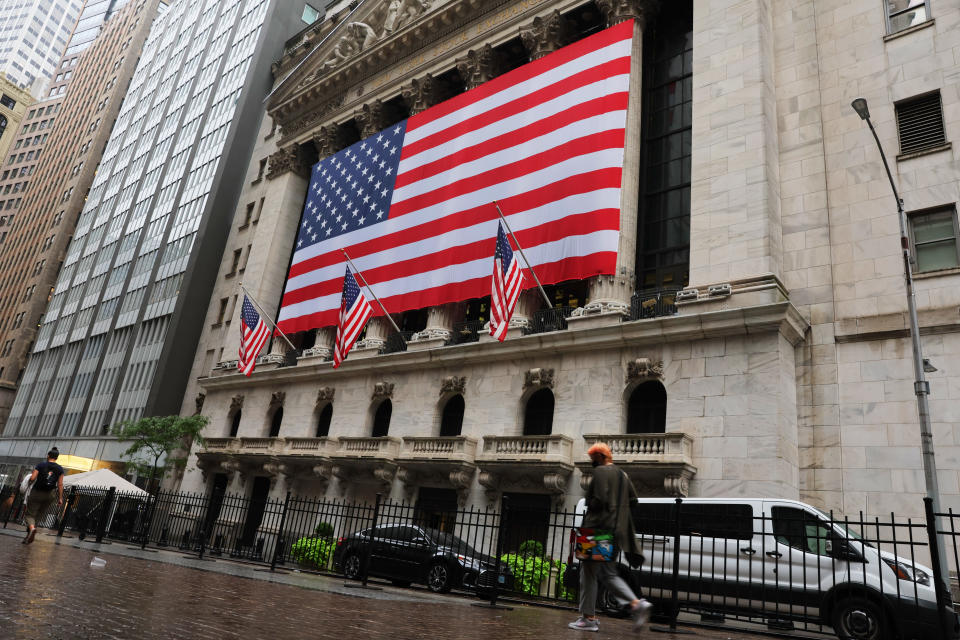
[
  {"x": 412, "y": 204},
  {"x": 253, "y": 333},
  {"x": 505, "y": 286},
  {"x": 354, "y": 313}
]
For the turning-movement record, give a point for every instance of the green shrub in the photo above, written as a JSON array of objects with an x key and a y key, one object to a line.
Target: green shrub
[
  {"x": 531, "y": 549},
  {"x": 528, "y": 571},
  {"x": 562, "y": 592},
  {"x": 324, "y": 530},
  {"x": 313, "y": 552}
]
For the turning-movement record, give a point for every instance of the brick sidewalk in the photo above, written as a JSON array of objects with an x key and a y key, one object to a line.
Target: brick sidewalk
[{"x": 49, "y": 590}]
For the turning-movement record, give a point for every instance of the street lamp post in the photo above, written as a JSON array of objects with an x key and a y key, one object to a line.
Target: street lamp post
[{"x": 920, "y": 387}]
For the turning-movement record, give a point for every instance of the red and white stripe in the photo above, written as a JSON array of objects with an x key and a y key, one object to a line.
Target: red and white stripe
[
  {"x": 251, "y": 342},
  {"x": 503, "y": 297},
  {"x": 546, "y": 140},
  {"x": 351, "y": 323}
]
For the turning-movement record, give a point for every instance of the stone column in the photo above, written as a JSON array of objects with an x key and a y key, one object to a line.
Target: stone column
[
  {"x": 323, "y": 345},
  {"x": 287, "y": 177},
  {"x": 545, "y": 35},
  {"x": 610, "y": 294}
]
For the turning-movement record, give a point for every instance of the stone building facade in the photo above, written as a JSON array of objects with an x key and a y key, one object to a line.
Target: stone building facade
[
  {"x": 753, "y": 340},
  {"x": 14, "y": 102}
]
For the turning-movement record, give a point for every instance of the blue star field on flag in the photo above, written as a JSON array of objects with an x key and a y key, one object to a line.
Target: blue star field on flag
[{"x": 352, "y": 188}]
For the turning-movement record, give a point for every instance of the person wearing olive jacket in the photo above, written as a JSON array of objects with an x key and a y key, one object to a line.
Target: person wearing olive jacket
[{"x": 608, "y": 507}]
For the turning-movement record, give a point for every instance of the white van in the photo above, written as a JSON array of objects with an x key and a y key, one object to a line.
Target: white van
[{"x": 783, "y": 562}]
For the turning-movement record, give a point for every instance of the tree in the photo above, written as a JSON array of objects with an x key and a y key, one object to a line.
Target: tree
[{"x": 156, "y": 437}]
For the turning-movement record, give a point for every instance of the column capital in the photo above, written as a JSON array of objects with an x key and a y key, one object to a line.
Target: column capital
[
  {"x": 617, "y": 11},
  {"x": 545, "y": 35},
  {"x": 420, "y": 94},
  {"x": 286, "y": 160},
  {"x": 477, "y": 67},
  {"x": 325, "y": 141},
  {"x": 370, "y": 118}
]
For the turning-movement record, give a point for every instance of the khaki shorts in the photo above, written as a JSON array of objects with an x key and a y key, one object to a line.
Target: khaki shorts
[{"x": 37, "y": 504}]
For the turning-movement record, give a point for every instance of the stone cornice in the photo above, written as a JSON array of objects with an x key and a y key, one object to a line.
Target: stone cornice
[
  {"x": 315, "y": 95},
  {"x": 778, "y": 316}
]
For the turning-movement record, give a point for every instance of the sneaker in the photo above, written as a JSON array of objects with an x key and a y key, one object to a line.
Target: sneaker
[
  {"x": 641, "y": 614},
  {"x": 31, "y": 536},
  {"x": 585, "y": 624}
]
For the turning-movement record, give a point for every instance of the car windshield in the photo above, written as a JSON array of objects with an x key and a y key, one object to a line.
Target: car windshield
[
  {"x": 451, "y": 541},
  {"x": 844, "y": 528}
]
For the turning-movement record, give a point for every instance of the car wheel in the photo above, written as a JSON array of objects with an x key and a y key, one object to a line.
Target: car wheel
[
  {"x": 352, "y": 566},
  {"x": 438, "y": 577},
  {"x": 859, "y": 619}
]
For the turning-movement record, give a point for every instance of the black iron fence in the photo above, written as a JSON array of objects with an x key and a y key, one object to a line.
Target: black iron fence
[
  {"x": 653, "y": 303},
  {"x": 781, "y": 565}
]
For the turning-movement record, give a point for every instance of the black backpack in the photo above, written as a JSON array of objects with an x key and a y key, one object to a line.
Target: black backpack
[{"x": 47, "y": 476}]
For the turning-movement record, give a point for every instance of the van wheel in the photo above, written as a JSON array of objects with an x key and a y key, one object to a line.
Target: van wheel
[{"x": 859, "y": 619}]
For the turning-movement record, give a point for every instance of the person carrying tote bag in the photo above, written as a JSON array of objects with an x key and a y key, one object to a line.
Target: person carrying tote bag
[{"x": 606, "y": 529}]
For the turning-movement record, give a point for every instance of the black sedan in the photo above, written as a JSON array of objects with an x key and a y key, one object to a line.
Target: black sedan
[{"x": 406, "y": 553}]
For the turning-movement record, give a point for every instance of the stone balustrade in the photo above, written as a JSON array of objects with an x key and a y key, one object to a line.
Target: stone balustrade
[
  {"x": 532, "y": 449},
  {"x": 383, "y": 448},
  {"x": 451, "y": 448},
  {"x": 646, "y": 447}
]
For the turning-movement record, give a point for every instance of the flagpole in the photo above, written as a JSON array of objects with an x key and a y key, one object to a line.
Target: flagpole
[
  {"x": 364, "y": 281},
  {"x": 265, "y": 316},
  {"x": 529, "y": 266}
]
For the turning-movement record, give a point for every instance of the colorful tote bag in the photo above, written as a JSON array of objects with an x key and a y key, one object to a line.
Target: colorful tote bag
[{"x": 595, "y": 544}]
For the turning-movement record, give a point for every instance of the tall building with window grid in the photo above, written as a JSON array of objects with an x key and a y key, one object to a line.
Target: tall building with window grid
[
  {"x": 137, "y": 274},
  {"x": 34, "y": 35}
]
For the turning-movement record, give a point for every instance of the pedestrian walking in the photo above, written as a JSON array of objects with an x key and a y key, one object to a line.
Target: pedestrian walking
[
  {"x": 46, "y": 483},
  {"x": 608, "y": 515}
]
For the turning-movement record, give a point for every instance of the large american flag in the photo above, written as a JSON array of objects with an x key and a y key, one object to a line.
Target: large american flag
[
  {"x": 354, "y": 313},
  {"x": 253, "y": 333},
  {"x": 413, "y": 203},
  {"x": 505, "y": 286}
]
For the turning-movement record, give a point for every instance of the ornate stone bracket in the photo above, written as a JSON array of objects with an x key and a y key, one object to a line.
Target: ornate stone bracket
[
  {"x": 324, "y": 471},
  {"x": 324, "y": 353},
  {"x": 556, "y": 484},
  {"x": 538, "y": 378},
  {"x": 384, "y": 475},
  {"x": 370, "y": 343},
  {"x": 383, "y": 390},
  {"x": 286, "y": 160},
  {"x": 453, "y": 384},
  {"x": 644, "y": 368},
  {"x": 462, "y": 479},
  {"x": 408, "y": 480},
  {"x": 236, "y": 403},
  {"x": 491, "y": 484},
  {"x": 677, "y": 485},
  {"x": 270, "y": 358},
  {"x": 277, "y": 398},
  {"x": 278, "y": 469},
  {"x": 601, "y": 306},
  {"x": 198, "y": 402},
  {"x": 545, "y": 35},
  {"x": 431, "y": 333},
  {"x": 325, "y": 394}
]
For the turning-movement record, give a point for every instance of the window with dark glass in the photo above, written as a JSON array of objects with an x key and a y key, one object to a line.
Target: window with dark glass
[
  {"x": 799, "y": 529},
  {"x": 903, "y": 14},
  {"x": 647, "y": 408},
  {"x": 7, "y": 101},
  {"x": 936, "y": 239},
  {"x": 323, "y": 421},
  {"x": 538, "y": 416},
  {"x": 3, "y": 124},
  {"x": 381, "y": 419},
  {"x": 451, "y": 422},
  {"x": 275, "y": 420},
  {"x": 235, "y": 423},
  {"x": 663, "y": 232}
]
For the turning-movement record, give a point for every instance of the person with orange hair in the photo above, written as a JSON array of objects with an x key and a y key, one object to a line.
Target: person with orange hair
[{"x": 608, "y": 508}]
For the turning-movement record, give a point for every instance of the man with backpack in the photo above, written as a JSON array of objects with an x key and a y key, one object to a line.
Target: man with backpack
[{"x": 46, "y": 477}]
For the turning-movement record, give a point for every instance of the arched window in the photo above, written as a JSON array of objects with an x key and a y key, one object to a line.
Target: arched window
[
  {"x": 3, "y": 124},
  {"x": 381, "y": 419},
  {"x": 452, "y": 420},
  {"x": 235, "y": 423},
  {"x": 323, "y": 421},
  {"x": 647, "y": 409},
  {"x": 538, "y": 418},
  {"x": 275, "y": 420}
]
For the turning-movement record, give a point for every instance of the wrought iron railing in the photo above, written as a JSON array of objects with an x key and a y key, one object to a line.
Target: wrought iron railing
[
  {"x": 397, "y": 342},
  {"x": 547, "y": 320},
  {"x": 653, "y": 303},
  {"x": 465, "y": 332}
]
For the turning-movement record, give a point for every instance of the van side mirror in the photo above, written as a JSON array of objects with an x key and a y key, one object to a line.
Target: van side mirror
[{"x": 840, "y": 549}]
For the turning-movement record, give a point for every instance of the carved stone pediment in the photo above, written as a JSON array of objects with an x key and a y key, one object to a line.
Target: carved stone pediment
[
  {"x": 643, "y": 368},
  {"x": 277, "y": 398},
  {"x": 538, "y": 378},
  {"x": 383, "y": 390},
  {"x": 453, "y": 384}
]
